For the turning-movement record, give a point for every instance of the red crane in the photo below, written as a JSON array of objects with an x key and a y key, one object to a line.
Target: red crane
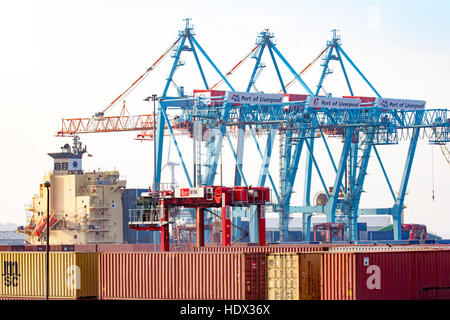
[{"x": 153, "y": 209}]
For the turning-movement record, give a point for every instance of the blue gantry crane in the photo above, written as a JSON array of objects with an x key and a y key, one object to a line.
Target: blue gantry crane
[{"x": 300, "y": 121}]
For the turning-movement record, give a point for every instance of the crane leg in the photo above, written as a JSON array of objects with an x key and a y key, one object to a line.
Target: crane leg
[
  {"x": 226, "y": 226},
  {"x": 200, "y": 217},
  {"x": 262, "y": 226}
]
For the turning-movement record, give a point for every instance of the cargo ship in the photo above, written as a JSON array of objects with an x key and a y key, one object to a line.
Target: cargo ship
[{"x": 84, "y": 206}]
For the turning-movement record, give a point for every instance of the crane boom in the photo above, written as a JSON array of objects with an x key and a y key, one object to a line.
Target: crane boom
[
  {"x": 106, "y": 124},
  {"x": 124, "y": 122}
]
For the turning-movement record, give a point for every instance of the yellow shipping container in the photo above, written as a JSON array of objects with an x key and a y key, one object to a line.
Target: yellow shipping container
[
  {"x": 72, "y": 275},
  {"x": 283, "y": 276}
]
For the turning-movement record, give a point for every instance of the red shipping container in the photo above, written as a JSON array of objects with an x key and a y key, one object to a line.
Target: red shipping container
[
  {"x": 240, "y": 194},
  {"x": 144, "y": 247},
  {"x": 32, "y": 248},
  {"x": 182, "y": 276},
  {"x": 214, "y": 95},
  {"x": 295, "y": 97},
  {"x": 115, "y": 247},
  {"x": 364, "y": 100},
  {"x": 85, "y": 247}
]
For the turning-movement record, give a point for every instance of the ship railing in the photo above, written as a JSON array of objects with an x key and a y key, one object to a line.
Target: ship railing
[
  {"x": 99, "y": 239},
  {"x": 145, "y": 216}
]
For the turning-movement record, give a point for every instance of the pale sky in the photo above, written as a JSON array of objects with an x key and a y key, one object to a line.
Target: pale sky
[{"x": 62, "y": 59}]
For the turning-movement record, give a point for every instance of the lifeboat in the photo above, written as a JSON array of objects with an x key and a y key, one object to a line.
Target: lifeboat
[{"x": 42, "y": 223}]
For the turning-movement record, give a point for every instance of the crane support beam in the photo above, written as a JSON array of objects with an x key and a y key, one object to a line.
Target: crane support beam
[
  {"x": 198, "y": 63},
  {"x": 359, "y": 182},
  {"x": 325, "y": 70},
  {"x": 332, "y": 203},
  {"x": 290, "y": 68},
  {"x": 277, "y": 70},
  {"x": 357, "y": 70},
  {"x": 398, "y": 207}
]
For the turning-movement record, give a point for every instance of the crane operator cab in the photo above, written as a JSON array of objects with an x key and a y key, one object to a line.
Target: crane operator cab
[{"x": 148, "y": 209}]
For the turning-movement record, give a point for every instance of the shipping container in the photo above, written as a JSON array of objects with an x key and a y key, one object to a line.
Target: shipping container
[
  {"x": 72, "y": 275},
  {"x": 283, "y": 276},
  {"x": 67, "y": 247},
  {"x": 182, "y": 276},
  {"x": 389, "y": 275},
  {"x": 147, "y": 247},
  {"x": 376, "y": 248},
  {"x": 33, "y": 248},
  {"x": 385, "y": 235},
  {"x": 85, "y": 247},
  {"x": 121, "y": 247},
  {"x": 237, "y": 244}
]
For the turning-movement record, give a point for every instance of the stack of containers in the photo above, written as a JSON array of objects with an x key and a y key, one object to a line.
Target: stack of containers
[{"x": 358, "y": 274}]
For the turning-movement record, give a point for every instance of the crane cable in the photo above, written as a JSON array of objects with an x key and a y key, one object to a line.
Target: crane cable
[
  {"x": 445, "y": 152},
  {"x": 139, "y": 80},
  {"x": 244, "y": 231},
  {"x": 305, "y": 68},
  {"x": 235, "y": 67}
]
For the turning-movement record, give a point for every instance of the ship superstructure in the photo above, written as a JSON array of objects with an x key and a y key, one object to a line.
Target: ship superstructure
[{"x": 84, "y": 207}]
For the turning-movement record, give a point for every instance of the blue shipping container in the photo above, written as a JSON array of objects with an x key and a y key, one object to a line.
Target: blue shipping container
[
  {"x": 385, "y": 235},
  {"x": 362, "y": 226}
]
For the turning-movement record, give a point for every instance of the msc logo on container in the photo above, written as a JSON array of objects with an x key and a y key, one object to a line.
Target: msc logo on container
[
  {"x": 374, "y": 280},
  {"x": 10, "y": 273}
]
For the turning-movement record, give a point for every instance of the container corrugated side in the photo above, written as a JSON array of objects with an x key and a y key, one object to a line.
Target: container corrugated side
[
  {"x": 413, "y": 275},
  {"x": 182, "y": 275},
  {"x": 327, "y": 276},
  {"x": 386, "y": 275},
  {"x": 72, "y": 275}
]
